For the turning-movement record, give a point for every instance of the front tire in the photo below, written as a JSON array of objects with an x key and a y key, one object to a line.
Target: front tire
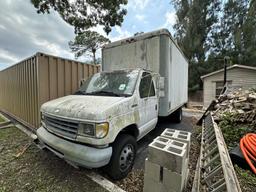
[{"x": 123, "y": 156}]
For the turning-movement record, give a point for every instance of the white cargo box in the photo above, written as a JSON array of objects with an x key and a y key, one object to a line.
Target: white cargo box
[{"x": 158, "y": 52}]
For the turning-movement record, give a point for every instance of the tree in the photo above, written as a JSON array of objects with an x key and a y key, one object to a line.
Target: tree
[
  {"x": 88, "y": 43},
  {"x": 84, "y": 14},
  {"x": 249, "y": 35},
  {"x": 230, "y": 34},
  {"x": 182, "y": 9},
  {"x": 195, "y": 20},
  {"x": 207, "y": 31}
]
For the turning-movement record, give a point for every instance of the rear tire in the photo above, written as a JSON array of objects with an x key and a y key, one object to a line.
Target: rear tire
[
  {"x": 177, "y": 115},
  {"x": 123, "y": 156}
]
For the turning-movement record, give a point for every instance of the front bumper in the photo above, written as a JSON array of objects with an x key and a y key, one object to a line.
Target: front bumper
[{"x": 78, "y": 154}]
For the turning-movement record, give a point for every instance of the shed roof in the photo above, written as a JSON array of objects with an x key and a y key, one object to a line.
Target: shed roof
[{"x": 231, "y": 67}]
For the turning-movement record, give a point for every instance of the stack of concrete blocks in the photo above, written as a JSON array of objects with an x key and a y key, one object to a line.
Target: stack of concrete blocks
[{"x": 166, "y": 168}]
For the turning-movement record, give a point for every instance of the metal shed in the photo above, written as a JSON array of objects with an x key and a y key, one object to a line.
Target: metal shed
[
  {"x": 239, "y": 76},
  {"x": 25, "y": 86}
]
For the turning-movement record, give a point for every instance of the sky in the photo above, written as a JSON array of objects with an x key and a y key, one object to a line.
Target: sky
[{"x": 23, "y": 32}]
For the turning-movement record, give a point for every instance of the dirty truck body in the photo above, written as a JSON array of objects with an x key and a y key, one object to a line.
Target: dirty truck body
[
  {"x": 142, "y": 77},
  {"x": 155, "y": 51}
]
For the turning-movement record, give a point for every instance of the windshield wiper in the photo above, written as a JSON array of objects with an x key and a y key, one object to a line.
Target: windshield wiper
[
  {"x": 110, "y": 93},
  {"x": 124, "y": 95},
  {"x": 79, "y": 92}
]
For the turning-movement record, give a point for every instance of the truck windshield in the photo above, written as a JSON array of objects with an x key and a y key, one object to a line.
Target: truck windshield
[{"x": 117, "y": 83}]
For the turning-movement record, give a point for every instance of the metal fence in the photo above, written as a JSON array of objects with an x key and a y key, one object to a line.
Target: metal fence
[{"x": 25, "y": 86}]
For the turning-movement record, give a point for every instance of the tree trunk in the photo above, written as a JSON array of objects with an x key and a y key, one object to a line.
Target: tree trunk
[{"x": 94, "y": 56}]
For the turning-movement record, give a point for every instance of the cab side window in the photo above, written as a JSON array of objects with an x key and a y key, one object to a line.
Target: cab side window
[{"x": 146, "y": 88}]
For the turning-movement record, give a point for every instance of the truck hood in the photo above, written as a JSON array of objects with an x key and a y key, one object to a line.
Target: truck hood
[{"x": 83, "y": 107}]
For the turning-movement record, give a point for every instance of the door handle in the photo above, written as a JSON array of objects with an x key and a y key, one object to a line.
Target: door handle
[
  {"x": 134, "y": 105},
  {"x": 156, "y": 107}
]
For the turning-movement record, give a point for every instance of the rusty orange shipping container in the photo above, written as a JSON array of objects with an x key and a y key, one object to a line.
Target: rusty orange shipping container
[{"x": 25, "y": 86}]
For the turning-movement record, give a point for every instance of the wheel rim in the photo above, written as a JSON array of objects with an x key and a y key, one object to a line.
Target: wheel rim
[{"x": 126, "y": 157}]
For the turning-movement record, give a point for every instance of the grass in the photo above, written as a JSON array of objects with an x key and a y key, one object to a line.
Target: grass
[
  {"x": 37, "y": 170},
  {"x": 246, "y": 179}
]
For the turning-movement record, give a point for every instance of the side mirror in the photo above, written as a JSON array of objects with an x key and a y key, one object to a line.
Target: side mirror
[{"x": 81, "y": 82}]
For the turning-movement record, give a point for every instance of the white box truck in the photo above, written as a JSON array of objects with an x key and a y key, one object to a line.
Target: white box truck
[{"x": 143, "y": 77}]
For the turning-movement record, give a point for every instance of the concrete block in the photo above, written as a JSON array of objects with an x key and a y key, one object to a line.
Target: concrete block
[
  {"x": 180, "y": 145},
  {"x": 151, "y": 185},
  {"x": 174, "y": 181},
  {"x": 161, "y": 139},
  {"x": 176, "y": 143},
  {"x": 167, "y": 155},
  {"x": 152, "y": 170},
  {"x": 182, "y": 136},
  {"x": 186, "y": 179}
]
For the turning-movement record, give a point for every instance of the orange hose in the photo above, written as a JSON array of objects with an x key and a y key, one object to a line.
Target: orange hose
[{"x": 248, "y": 148}]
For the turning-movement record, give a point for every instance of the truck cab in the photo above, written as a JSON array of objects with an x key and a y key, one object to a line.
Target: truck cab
[{"x": 100, "y": 123}]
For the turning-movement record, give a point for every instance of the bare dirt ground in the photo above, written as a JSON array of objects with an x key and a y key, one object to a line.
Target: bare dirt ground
[{"x": 23, "y": 167}]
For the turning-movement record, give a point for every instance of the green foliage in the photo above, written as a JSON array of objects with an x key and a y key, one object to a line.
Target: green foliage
[
  {"x": 88, "y": 43},
  {"x": 198, "y": 131},
  {"x": 207, "y": 31},
  {"x": 229, "y": 35},
  {"x": 233, "y": 131},
  {"x": 195, "y": 19},
  {"x": 84, "y": 14},
  {"x": 194, "y": 22},
  {"x": 249, "y": 29},
  {"x": 246, "y": 177}
]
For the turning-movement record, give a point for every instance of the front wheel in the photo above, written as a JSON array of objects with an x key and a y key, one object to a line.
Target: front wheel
[{"x": 123, "y": 156}]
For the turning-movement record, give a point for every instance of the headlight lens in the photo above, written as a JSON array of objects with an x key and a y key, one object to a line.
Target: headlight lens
[
  {"x": 101, "y": 129},
  {"x": 86, "y": 129},
  {"x": 98, "y": 130}
]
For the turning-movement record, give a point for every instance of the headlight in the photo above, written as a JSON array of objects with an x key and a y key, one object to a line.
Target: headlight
[
  {"x": 101, "y": 129},
  {"x": 98, "y": 130},
  {"x": 86, "y": 129}
]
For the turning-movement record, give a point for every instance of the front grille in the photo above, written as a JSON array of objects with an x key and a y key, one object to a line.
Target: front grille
[{"x": 62, "y": 127}]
